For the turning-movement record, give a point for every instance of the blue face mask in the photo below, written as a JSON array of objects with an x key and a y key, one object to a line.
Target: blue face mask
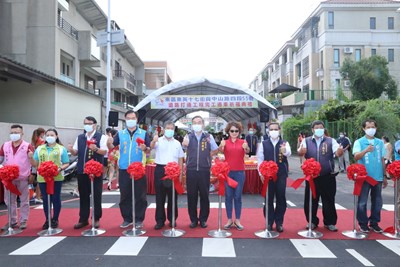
[
  {"x": 131, "y": 123},
  {"x": 169, "y": 133},
  {"x": 197, "y": 127},
  {"x": 319, "y": 132},
  {"x": 250, "y": 132}
]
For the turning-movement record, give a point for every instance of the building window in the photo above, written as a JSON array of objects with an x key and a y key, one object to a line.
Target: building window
[
  {"x": 372, "y": 23},
  {"x": 391, "y": 55},
  {"x": 90, "y": 83},
  {"x": 358, "y": 55},
  {"x": 373, "y": 52},
  {"x": 298, "y": 68},
  {"x": 321, "y": 59},
  {"x": 336, "y": 58},
  {"x": 390, "y": 23},
  {"x": 331, "y": 20},
  {"x": 337, "y": 83},
  {"x": 117, "y": 96},
  {"x": 306, "y": 67}
]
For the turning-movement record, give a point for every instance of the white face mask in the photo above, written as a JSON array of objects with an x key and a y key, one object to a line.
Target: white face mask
[
  {"x": 15, "y": 137},
  {"x": 341, "y": 136},
  {"x": 169, "y": 133},
  {"x": 50, "y": 139},
  {"x": 250, "y": 132},
  {"x": 274, "y": 134},
  {"x": 88, "y": 128},
  {"x": 197, "y": 127},
  {"x": 319, "y": 132},
  {"x": 370, "y": 131},
  {"x": 131, "y": 123}
]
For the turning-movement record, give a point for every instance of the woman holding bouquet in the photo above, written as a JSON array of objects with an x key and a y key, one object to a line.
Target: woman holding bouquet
[
  {"x": 53, "y": 151},
  {"x": 234, "y": 150}
]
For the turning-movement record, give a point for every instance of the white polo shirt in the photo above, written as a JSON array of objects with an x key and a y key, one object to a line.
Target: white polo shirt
[{"x": 168, "y": 150}]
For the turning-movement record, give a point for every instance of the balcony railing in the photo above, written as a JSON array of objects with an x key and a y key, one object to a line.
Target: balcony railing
[
  {"x": 329, "y": 94},
  {"x": 67, "y": 79},
  {"x": 67, "y": 28},
  {"x": 123, "y": 105},
  {"x": 131, "y": 82}
]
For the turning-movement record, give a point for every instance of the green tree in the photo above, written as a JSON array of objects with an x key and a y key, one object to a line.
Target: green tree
[{"x": 369, "y": 78}]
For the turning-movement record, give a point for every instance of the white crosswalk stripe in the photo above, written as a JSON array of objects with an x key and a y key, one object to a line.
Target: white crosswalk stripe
[
  {"x": 38, "y": 245},
  {"x": 389, "y": 207},
  {"x": 359, "y": 257},
  {"x": 393, "y": 245},
  {"x": 218, "y": 247},
  {"x": 111, "y": 193},
  {"x": 127, "y": 246},
  {"x": 310, "y": 248}
]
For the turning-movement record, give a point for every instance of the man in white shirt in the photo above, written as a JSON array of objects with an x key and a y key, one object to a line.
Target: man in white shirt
[
  {"x": 167, "y": 150},
  {"x": 89, "y": 145}
]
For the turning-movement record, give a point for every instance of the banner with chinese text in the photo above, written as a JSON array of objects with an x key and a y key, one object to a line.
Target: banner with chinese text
[{"x": 203, "y": 101}]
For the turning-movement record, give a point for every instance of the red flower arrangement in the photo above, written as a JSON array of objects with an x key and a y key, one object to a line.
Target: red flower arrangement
[
  {"x": 358, "y": 173},
  {"x": 136, "y": 170},
  {"x": 7, "y": 175},
  {"x": 90, "y": 142},
  {"x": 48, "y": 170},
  {"x": 93, "y": 169},
  {"x": 221, "y": 169},
  {"x": 311, "y": 170},
  {"x": 139, "y": 141},
  {"x": 394, "y": 170},
  {"x": 269, "y": 170},
  {"x": 173, "y": 171}
]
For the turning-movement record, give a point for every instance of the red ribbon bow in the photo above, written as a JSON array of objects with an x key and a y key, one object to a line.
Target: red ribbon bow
[
  {"x": 172, "y": 172},
  {"x": 139, "y": 141},
  {"x": 93, "y": 169},
  {"x": 311, "y": 170},
  {"x": 394, "y": 170},
  {"x": 136, "y": 170},
  {"x": 220, "y": 170},
  {"x": 269, "y": 170},
  {"x": 357, "y": 173},
  {"x": 48, "y": 170},
  {"x": 7, "y": 175}
]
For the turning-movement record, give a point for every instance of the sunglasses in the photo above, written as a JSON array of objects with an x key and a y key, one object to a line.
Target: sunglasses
[{"x": 234, "y": 131}]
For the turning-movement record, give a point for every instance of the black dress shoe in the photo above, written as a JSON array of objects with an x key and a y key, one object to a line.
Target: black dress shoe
[
  {"x": 80, "y": 225},
  {"x": 203, "y": 224},
  {"x": 97, "y": 224},
  {"x": 279, "y": 228},
  {"x": 269, "y": 228},
  {"x": 54, "y": 223},
  {"x": 45, "y": 226},
  {"x": 158, "y": 226},
  {"x": 193, "y": 225}
]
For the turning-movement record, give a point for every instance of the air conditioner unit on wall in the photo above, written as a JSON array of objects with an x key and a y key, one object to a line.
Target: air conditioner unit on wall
[
  {"x": 346, "y": 83},
  {"x": 348, "y": 50}
]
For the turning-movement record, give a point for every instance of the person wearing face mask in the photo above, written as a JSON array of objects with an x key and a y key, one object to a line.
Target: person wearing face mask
[
  {"x": 370, "y": 151},
  {"x": 277, "y": 150},
  {"x": 200, "y": 147},
  {"x": 344, "y": 160},
  {"x": 89, "y": 145},
  {"x": 54, "y": 151},
  {"x": 131, "y": 152},
  {"x": 36, "y": 140},
  {"x": 322, "y": 148},
  {"x": 234, "y": 150},
  {"x": 167, "y": 150},
  {"x": 18, "y": 152},
  {"x": 252, "y": 140}
]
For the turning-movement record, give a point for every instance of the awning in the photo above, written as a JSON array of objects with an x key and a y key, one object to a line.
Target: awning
[{"x": 283, "y": 88}]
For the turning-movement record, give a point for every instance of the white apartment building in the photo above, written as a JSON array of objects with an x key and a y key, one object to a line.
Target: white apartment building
[
  {"x": 335, "y": 30},
  {"x": 52, "y": 69}
]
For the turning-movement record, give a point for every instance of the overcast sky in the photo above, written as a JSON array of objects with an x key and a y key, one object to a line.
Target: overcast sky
[{"x": 223, "y": 39}]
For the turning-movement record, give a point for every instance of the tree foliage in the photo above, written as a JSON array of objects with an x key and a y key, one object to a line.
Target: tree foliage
[{"x": 369, "y": 78}]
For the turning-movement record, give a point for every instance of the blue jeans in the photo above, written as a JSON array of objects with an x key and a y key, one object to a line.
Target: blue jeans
[
  {"x": 234, "y": 194},
  {"x": 376, "y": 204},
  {"x": 55, "y": 199}
]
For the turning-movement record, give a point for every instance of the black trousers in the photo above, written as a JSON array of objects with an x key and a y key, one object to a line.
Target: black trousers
[
  {"x": 125, "y": 203},
  {"x": 198, "y": 183},
  {"x": 84, "y": 188},
  {"x": 276, "y": 191},
  {"x": 326, "y": 190},
  {"x": 162, "y": 192}
]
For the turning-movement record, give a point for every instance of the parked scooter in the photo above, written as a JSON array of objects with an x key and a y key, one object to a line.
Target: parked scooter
[{"x": 71, "y": 171}]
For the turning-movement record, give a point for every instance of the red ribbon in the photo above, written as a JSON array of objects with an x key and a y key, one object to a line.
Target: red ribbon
[
  {"x": 221, "y": 169},
  {"x": 358, "y": 173},
  {"x": 311, "y": 170},
  {"x": 93, "y": 169},
  {"x": 90, "y": 142},
  {"x": 7, "y": 174},
  {"x": 48, "y": 170},
  {"x": 139, "y": 141},
  {"x": 269, "y": 170},
  {"x": 173, "y": 172},
  {"x": 136, "y": 170}
]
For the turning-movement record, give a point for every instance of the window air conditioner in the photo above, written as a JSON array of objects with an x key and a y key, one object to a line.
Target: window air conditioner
[
  {"x": 348, "y": 50},
  {"x": 346, "y": 83}
]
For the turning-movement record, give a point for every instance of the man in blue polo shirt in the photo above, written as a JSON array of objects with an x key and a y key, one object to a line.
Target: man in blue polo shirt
[{"x": 370, "y": 151}]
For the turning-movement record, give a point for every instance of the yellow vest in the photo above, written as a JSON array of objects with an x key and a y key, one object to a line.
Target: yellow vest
[{"x": 54, "y": 156}]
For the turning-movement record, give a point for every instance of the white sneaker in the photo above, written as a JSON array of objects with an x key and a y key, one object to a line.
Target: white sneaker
[{"x": 37, "y": 200}]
